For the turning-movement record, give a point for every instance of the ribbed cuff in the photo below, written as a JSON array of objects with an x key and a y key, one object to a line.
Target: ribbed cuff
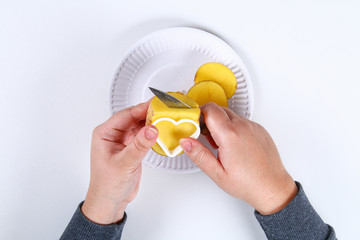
[
  {"x": 80, "y": 227},
  {"x": 298, "y": 220}
]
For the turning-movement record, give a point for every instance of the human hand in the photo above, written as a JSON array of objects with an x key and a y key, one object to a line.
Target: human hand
[
  {"x": 117, "y": 148},
  {"x": 248, "y": 165}
]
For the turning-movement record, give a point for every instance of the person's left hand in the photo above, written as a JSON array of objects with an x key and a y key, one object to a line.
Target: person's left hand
[{"x": 117, "y": 148}]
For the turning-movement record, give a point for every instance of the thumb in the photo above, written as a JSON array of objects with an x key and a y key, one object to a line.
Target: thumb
[
  {"x": 203, "y": 158},
  {"x": 140, "y": 145}
]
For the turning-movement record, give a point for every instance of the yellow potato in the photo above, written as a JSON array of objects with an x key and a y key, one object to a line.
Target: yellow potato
[
  {"x": 208, "y": 91},
  {"x": 219, "y": 73},
  {"x": 173, "y": 123}
]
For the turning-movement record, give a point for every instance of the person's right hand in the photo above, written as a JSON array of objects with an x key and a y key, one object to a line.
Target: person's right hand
[
  {"x": 117, "y": 149},
  {"x": 248, "y": 165}
]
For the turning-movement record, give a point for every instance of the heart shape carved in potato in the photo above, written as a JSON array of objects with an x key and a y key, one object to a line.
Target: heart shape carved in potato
[{"x": 169, "y": 140}]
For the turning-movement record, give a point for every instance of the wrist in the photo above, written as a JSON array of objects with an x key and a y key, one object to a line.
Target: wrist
[
  {"x": 103, "y": 212},
  {"x": 278, "y": 199}
]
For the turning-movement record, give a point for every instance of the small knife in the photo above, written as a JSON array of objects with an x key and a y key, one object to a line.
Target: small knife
[{"x": 173, "y": 102}]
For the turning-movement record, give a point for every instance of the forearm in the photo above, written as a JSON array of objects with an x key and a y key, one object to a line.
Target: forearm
[
  {"x": 80, "y": 227},
  {"x": 298, "y": 220}
]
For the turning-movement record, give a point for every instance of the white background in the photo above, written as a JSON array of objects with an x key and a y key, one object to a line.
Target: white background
[{"x": 57, "y": 61}]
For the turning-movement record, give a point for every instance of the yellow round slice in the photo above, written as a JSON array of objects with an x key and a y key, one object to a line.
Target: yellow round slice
[
  {"x": 208, "y": 91},
  {"x": 219, "y": 73}
]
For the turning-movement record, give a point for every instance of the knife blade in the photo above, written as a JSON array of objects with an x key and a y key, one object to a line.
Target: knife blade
[{"x": 168, "y": 100}]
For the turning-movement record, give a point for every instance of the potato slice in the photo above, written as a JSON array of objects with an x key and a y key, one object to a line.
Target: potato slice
[
  {"x": 219, "y": 73},
  {"x": 208, "y": 91},
  {"x": 175, "y": 123}
]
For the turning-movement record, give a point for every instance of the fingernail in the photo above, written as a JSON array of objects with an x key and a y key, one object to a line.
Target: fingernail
[
  {"x": 186, "y": 145},
  {"x": 151, "y": 133}
]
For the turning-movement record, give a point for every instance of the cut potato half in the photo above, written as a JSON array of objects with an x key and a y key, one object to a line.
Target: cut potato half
[{"x": 173, "y": 123}]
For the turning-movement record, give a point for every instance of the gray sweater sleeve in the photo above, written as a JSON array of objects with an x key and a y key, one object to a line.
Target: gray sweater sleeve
[
  {"x": 80, "y": 227},
  {"x": 298, "y": 220}
]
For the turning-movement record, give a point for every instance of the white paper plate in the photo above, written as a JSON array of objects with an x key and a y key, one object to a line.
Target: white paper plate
[{"x": 168, "y": 60}]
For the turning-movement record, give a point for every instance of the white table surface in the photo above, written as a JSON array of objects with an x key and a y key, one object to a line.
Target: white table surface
[{"x": 57, "y": 60}]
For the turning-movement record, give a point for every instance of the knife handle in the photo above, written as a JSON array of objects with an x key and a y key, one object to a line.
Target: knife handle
[{"x": 204, "y": 130}]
